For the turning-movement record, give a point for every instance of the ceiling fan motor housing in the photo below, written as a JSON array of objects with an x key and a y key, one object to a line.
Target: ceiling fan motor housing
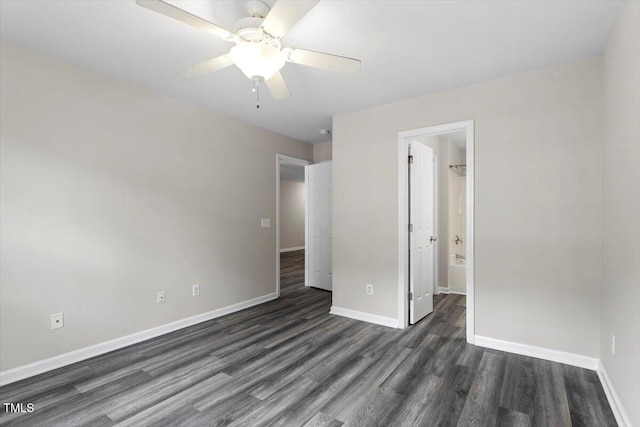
[
  {"x": 244, "y": 26},
  {"x": 257, "y": 8}
]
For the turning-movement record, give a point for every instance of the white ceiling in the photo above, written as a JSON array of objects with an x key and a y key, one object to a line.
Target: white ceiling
[{"x": 407, "y": 48}]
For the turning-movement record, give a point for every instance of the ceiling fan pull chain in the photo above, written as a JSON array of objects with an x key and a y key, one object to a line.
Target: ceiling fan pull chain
[{"x": 256, "y": 89}]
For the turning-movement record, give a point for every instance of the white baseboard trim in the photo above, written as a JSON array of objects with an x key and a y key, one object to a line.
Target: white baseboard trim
[
  {"x": 538, "y": 352},
  {"x": 457, "y": 293},
  {"x": 297, "y": 248},
  {"x": 366, "y": 317},
  {"x": 21, "y": 372},
  {"x": 614, "y": 401}
]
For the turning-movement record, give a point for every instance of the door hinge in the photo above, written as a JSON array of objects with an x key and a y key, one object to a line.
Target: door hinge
[
  {"x": 410, "y": 296},
  {"x": 410, "y": 228},
  {"x": 410, "y": 159}
]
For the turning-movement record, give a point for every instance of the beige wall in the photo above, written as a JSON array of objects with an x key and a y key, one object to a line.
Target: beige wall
[
  {"x": 110, "y": 193},
  {"x": 292, "y": 207},
  {"x": 537, "y": 210},
  {"x": 322, "y": 152},
  {"x": 621, "y": 210}
]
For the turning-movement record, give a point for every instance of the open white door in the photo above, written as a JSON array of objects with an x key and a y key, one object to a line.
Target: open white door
[
  {"x": 319, "y": 214},
  {"x": 421, "y": 231}
]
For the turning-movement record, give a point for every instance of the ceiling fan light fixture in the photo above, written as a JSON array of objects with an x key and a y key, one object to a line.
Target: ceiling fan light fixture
[{"x": 258, "y": 61}]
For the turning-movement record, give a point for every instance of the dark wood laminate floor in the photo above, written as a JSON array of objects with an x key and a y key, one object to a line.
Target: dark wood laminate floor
[{"x": 288, "y": 362}]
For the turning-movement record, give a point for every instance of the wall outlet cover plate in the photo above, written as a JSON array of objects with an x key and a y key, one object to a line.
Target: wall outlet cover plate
[{"x": 57, "y": 320}]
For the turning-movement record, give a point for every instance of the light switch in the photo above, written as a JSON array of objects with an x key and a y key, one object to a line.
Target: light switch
[{"x": 265, "y": 222}]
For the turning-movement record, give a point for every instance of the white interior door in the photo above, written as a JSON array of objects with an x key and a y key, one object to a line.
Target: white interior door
[
  {"x": 319, "y": 214},
  {"x": 422, "y": 233}
]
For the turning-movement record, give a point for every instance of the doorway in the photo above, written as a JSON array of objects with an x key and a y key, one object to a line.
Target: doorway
[
  {"x": 433, "y": 136},
  {"x": 291, "y": 211}
]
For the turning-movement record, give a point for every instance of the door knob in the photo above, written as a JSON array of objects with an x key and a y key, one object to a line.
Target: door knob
[{"x": 433, "y": 239}]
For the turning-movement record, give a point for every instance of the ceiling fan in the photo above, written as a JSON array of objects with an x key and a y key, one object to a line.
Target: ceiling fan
[{"x": 258, "y": 51}]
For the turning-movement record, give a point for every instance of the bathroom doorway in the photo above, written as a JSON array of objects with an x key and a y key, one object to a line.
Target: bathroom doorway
[{"x": 452, "y": 145}]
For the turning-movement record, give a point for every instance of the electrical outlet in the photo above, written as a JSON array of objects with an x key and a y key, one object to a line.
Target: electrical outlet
[
  {"x": 160, "y": 297},
  {"x": 369, "y": 289},
  {"x": 613, "y": 344},
  {"x": 57, "y": 320},
  {"x": 195, "y": 290},
  {"x": 265, "y": 222}
]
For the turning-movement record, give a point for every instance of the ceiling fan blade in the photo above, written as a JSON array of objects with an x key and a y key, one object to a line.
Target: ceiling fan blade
[
  {"x": 207, "y": 67},
  {"x": 278, "y": 87},
  {"x": 325, "y": 61},
  {"x": 284, "y": 15},
  {"x": 171, "y": 11}
]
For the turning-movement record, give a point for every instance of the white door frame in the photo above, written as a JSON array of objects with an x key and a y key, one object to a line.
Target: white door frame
[
  {"x": 297, "y": 161},
  {"x": 403, "y": 209}
]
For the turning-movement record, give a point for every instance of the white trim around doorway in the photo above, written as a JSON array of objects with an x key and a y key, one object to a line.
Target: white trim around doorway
[{"x": 403, "y": 241}]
